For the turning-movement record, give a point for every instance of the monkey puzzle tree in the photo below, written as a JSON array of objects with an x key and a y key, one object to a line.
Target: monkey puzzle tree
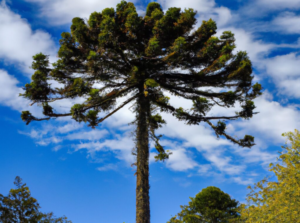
[{"x": 142, "y": 58}]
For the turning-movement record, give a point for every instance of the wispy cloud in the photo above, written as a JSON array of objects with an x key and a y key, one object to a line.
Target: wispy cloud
[
  {"x": 287, "y": 23},
  {"x": 108, "y": 167},
  {"x": 88, "y": 135}
]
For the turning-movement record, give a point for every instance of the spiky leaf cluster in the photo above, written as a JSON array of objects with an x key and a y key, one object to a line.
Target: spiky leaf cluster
[{"x": 118, "y": 53}]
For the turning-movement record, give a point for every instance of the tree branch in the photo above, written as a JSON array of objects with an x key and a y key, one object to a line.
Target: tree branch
[{"x": 125, "y": 103}]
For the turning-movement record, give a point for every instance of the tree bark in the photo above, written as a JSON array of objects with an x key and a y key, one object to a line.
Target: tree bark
[{"x": 142, "y": 173}]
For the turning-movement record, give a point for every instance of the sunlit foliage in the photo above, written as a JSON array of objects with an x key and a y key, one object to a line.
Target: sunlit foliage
[{"x": 278, "y": 201}]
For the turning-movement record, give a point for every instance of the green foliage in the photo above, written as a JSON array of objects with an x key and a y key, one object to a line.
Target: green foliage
[
  {"x": 27, "y": 117},
  {"x": 40, "y": 62},
  {"x": 221, "y": 127},
  {"x": 47, "y": 109},
  {"x": 91, "y": 118},
  {"x": 157, "y": 14},
  {"x": 38, "y": 89},
  {"x": 19, "y": 206},
  {"x": 151, "y": 83},
  {"x": 201, "y": 105},
  {"x": 229, "y": 98},
  {"x": 227, "y": 35},
  {"x": 95, "y": 19},
  {"x": 277, "y": 201},
  {"x": 247, "y": 111},
  {"x": 79, "y": 29},
  {"x": 211, "y": 205},
  {"x": 247, "y": 141},
  {"x": 179, "y": 45},
  {"x": 156, "y": 121},
  {"x": 153, "y": 47},
  {"x": 77, "y": 113},
  {"x": 94, "y": 93},
  {"x": 152, "y": 7},
  {"x": 206, "y": 30}
]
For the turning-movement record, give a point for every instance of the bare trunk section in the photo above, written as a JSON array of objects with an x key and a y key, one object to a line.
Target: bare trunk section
[{"x": 142, "y": 173}]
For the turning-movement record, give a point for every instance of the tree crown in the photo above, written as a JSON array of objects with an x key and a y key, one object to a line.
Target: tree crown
[
  {"x": 19, "y": 206},
  {"x": 209, "y": 205},
  {"x": 118, "y": 53}
]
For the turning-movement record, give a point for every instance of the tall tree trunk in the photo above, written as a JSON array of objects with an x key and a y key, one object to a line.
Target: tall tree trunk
[{"x": 142, "y": 173}]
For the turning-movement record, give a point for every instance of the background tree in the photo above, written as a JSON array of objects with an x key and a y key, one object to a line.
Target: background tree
[
  {"x": 211, "y": 205},
  {"x": 117, "y": 54},
  {"x": 19, "y": 206},
  {"x": 278, "y": 201}
]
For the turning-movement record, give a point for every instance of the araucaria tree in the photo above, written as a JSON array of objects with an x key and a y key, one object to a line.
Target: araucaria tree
[
  {"x": 20, "y": 207},
  {"x": 211, "y": 205},
  {"x": 142, "y": 58}
]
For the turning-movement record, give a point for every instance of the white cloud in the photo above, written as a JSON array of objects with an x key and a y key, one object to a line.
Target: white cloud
[
  {"x": 284, "y": 70},
  {"x": 222, "y": 16},
  {"x": 283, "y": 66},
  {"x": 179, "y": 160},
  {"x": 278, "y": 4},
  {"x": 90, "y": 135},
  {"x": 121, "y": 145},
  {"x": 56, "y": 148},
  {"x": 108, "y": 167},
  {"x": 287, "y": 23},
  {"x": 199, "y": 5},
  {"x": 290, "y": 87},
  {"x": 69, "y": 127},
  {"x": 193, "y": 136},
  {"x": 18, "y": 42},
  {"x": 47, "y": 141},
  {"x": 204, "y": 169},
  {"x": 241, "y": 181},
  {"x": 10, "y": 92},
  {"x": 223, "y": 162},
  {"x": 256, "y": 155},
  {"x": 263, "y": 8},
  {"x": 63, "y": 11}
]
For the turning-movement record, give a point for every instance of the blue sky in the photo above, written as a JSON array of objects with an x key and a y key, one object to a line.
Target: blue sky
[{"x": 86, "y": 174}]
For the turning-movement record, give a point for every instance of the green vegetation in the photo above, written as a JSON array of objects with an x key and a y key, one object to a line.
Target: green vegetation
[
  {"x": 211, "y": 205},
  {"x": 19, "y": 206},
  {"x": 278, "y": 201},
  {"x": 141, "y": 59}
]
